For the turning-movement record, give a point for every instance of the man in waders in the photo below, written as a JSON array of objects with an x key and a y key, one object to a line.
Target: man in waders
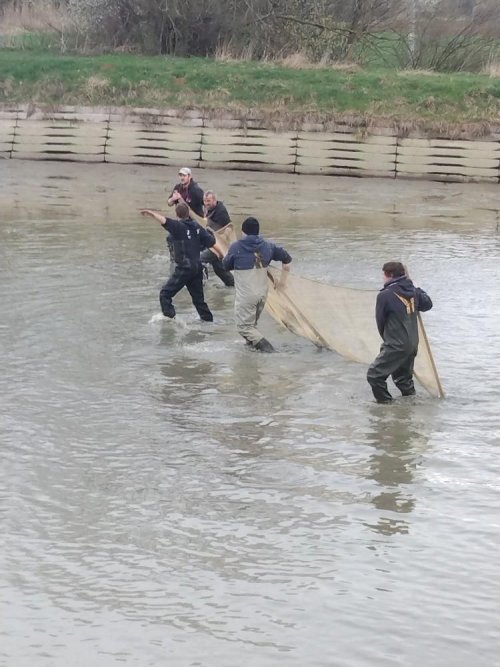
[
  {"x": 189, "y": 192},
  {"x": 396, "y": 314},
  {"x": 217, "y": 218},
  {"x": 188, "y": 239},
  {"x": 249, "y": 258}
]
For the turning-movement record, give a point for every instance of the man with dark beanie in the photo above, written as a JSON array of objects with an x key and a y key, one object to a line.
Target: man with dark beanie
[
  {"x": 396, "y": 314},
  {"x": 249, "y": 258},
  {"x": 188, "y": 239}
]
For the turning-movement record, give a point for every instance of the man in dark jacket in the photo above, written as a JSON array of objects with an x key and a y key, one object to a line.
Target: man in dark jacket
[
  {"x": 188, "y": 239},
  {"x": 249, "y": 258},
  {"x": 396, "y": 314},
  {"x": 217, "y": 218},
  {"x": 187, "y": 191},
  {"x": 190, "y": 193}
]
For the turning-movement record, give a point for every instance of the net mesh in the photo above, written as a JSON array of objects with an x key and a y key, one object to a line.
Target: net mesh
[{"x": 338, "y": 318}]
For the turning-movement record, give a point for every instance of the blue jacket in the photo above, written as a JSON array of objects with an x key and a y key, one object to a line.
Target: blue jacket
[{"x": 252, "y": 251}]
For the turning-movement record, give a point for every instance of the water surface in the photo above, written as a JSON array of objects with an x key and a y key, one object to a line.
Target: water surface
[{"x": 169, "y": 497}]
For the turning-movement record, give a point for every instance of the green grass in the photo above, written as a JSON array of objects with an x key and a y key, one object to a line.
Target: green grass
[
  {"x": 31, "y": 41},
  {"x": 42, "y": 77}
]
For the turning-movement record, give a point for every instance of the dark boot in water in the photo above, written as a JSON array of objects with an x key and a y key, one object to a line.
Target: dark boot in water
[
  {"x": 381, "y": 394},
  {"x": 264, "y": 346}
]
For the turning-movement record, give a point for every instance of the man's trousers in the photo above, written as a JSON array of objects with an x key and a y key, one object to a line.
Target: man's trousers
[
  {"x": 209, "y": 257},
  {"x": 251, "y": 294},
  {"x": 397, "y": 363},
  {"x": 192, "y": 279}
]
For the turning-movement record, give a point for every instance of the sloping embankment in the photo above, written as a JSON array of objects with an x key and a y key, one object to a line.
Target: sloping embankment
[{"x": 194, "y": 138}]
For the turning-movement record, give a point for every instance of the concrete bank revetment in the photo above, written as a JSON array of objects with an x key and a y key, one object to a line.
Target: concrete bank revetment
[{"x": 173, "y": 137}]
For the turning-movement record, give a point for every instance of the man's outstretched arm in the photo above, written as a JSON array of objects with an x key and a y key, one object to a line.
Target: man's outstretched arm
[{"x": 147, "y": 212}]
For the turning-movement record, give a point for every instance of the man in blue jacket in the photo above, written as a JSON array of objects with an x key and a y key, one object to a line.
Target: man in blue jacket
[
  {"x": 248, "y": 258},
  {"x": 188, "y": 238},
  {"x": 396, "y": 314}
]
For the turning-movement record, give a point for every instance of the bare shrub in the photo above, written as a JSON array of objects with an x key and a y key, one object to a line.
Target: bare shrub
[
  {"x": 180, "y": 27},
  {"x": 38, "y": 23},
  {"x": 441, "y": 35},
  {"x": 43, "y": 15},
  {"x": 445, "y": 36}
]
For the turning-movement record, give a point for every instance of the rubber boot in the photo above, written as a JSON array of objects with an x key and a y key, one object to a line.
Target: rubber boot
[
  {"x": 381, "y": 393},
  {"x": 382, "y": 397},
  {"x": 264, "y": 346}
]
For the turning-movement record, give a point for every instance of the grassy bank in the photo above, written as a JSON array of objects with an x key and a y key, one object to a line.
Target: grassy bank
[{"x": 290, "y": 94}]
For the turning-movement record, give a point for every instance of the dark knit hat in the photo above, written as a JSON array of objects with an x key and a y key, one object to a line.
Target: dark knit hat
[{"x": 250, "y": 226}]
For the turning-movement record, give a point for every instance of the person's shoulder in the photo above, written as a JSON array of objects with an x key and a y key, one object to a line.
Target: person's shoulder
[
  {"x": 170, "y": 222},
  {"x": 235, "y": 245},
  {"x": 173, "y": 225},
  {"x": 272, "y": 244}
]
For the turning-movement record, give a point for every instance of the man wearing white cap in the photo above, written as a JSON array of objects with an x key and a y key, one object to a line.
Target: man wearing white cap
[{"x": 188, "y": 191}]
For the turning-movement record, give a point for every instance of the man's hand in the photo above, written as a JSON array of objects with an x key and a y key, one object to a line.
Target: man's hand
[
  {"x": 148, "y": 213},
  {"x": 174, "y": 198},
  {"x": 281, "y": 284}
]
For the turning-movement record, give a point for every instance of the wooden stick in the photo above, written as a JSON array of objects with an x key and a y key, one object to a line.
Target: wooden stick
[
  {"x": 428, "y": 347},
  {"x": 431, "y": 356}
]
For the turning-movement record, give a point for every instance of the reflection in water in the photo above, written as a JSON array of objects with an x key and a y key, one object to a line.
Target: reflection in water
[{"x": 400, "y": 441}]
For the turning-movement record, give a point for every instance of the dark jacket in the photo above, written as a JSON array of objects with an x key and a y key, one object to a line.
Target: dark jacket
[
  {"x": 218, "y": 217},
  {"x": 396, "y": 313},
  {"x": 252, "y": 251},
  {"x": 188, "y": 239},
  {"x": 192, "y": 195}
]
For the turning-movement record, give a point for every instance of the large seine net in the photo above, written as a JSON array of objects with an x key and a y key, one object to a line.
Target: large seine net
[{"x": 338, "y": 318}]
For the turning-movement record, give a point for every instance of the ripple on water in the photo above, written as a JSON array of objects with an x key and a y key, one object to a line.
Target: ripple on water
[{"x": 171, "y": 497}]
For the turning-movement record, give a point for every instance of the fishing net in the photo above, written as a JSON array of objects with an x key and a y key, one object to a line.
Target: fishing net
[{"x": 338, "y": 318}]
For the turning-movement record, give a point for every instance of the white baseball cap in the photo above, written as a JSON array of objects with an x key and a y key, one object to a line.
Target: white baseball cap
[{"x": 185, "y": 171}]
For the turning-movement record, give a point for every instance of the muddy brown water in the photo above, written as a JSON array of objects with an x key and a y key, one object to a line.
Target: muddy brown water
[{"x": 169, "y": 497}]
